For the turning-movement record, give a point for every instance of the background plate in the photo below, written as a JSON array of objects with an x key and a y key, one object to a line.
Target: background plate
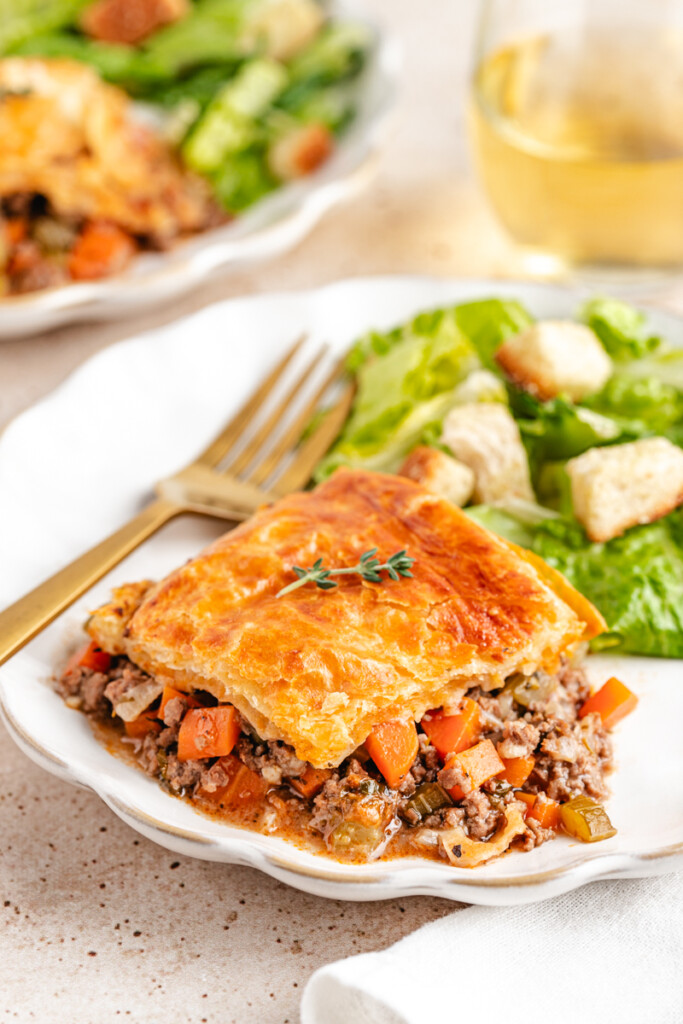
[
  {"x": 76, "y": 465},
  {"x": 271, "y": 227}
]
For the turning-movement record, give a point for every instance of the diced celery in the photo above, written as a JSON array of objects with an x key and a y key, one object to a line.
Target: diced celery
[
  {"x": 218, "y": 134},
  {"x": 228, "y": 124},
  {"x": 254, "y": 88},
  {"x": 587, "y": 820},
  {"x": 428, "y": 798},
  {"x": 353, "y": 837}
]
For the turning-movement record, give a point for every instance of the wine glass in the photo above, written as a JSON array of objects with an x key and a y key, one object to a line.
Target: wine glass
[{"x": 576, "y": 115}]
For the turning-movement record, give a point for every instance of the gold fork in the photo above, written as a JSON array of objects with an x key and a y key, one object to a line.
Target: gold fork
[{"x": 284, "y": 461}]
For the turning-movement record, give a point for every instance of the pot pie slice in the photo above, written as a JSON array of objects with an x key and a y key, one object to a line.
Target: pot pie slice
[{"x": 319, "y": 669}]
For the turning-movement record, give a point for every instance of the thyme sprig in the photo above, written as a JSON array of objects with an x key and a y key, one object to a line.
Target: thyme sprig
[{"x": 368, "y": 568}]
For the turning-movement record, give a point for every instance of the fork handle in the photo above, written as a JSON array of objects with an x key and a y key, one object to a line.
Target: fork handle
[{"x": 30, "y": 614}]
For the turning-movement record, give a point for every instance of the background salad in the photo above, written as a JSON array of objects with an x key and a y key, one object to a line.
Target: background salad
[{"x": 238, "y": 81}]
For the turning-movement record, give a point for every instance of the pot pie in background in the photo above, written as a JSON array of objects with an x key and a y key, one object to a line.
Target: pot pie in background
[
  {"x": 443, "y": 711},
  {"x": 69, "y": 141}
]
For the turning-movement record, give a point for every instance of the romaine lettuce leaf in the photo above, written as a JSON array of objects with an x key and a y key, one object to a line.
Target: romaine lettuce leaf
[
  {"x": 486, "y": 323},
  {"x": 641, "y": 406},
  {"x": 559, "y": 429},
  {"x": 408, "y": 380},
  {"x": 665, "y": 366},
  {"x": 636, "y": 581},
  {"x": 385, "y": 452},
  {"x": 620, "y": 328},
  {"x": 400, "y": 394}
]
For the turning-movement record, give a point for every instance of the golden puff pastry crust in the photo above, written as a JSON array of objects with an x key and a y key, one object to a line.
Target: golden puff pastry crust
[{"x": 318, "y": 669}]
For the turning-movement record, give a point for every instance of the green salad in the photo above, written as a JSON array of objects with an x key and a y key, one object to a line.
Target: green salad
[
  {"x": 235, "y": 79},
  {"x": 411, "y": 378}
]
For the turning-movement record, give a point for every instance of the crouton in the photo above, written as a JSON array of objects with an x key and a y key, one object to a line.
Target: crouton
[
  {"x": 554, "y": 357},
  {"x": 283, "y": 28},
  {"x": 621, "y": 486},
  {"x": 486, "y": 438},
  {"x": 440, "y": 474},
  {"x": 300, "y": 152},
  {"x": 130, "y": 21}
]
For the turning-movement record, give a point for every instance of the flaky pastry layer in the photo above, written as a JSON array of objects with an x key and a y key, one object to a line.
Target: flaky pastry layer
[{"x": 317, "y": 668}]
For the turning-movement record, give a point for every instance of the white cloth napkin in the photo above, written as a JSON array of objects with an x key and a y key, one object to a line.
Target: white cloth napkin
[{"x": 610, "y": 953}]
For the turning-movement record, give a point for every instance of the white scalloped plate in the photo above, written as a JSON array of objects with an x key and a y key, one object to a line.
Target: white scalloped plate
[
  {"x": 274, "y": 225},
  {"x": 139, "y": 409}
]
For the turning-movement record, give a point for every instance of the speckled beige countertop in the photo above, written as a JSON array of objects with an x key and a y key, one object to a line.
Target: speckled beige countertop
[{"x": 96, "y": 923}]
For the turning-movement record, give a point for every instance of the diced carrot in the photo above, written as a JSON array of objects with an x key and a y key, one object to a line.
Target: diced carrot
[
  {"x": 75, "y": 660},
  {"x": 545, "y": 812},
  {"x": 528, "y": 798},
  {"x": 93, "y": 657},
  {"x": 452, "y": 733},
  {"x": 613, "y": 701},
  {"x": 16, "y": 229},
  {"x": 301, "y": 151},
  {"x": 517, "y": 770},
  {"x": 129, "y": 21},
  {"x": 244, "y": 786},
  {"x": 393, "y": 746},
  {"x": 100, "y": 249},
  {"x": 208, "y": 732},
  {"x": 311, "y": 782},
  {"x": 25, "y": 259},
  {"x": 315, "y": 145},
  {"x": 170, "y": 693},
  {"x": 480, "y": 763},
  {"x": 144, "y": 723}
]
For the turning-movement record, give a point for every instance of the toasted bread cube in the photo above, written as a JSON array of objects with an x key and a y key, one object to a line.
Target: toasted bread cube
[
  {"x": 300, "y": 152},
  {"x": 486, "y": 438},
  {"x": 123, "y": 21},
  {"x": 283, "y": 28},
  {"x": 439, "y": 473},
  {"x": 621, "y": 486},
  {"x": 553, "y": 357}
]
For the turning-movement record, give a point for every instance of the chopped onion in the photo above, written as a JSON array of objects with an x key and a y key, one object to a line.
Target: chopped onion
[
  {"x": 137, "y": 700},
  {"x": 468, "y": 853}
]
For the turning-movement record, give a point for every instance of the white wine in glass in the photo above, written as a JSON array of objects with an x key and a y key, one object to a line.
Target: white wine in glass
[{"x": 577, "y": 127}]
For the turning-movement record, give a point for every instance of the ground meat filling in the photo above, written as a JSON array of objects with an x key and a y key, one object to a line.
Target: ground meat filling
[{"x": 353, "y": 803}]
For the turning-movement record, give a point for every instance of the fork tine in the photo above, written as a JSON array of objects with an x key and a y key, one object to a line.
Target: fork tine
[
  {"x": 292, "y": 435},
  {"x": 223, "y": 442},
  {"x": 298, "y": 473},
  {"x": 265, "y": 431}
]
